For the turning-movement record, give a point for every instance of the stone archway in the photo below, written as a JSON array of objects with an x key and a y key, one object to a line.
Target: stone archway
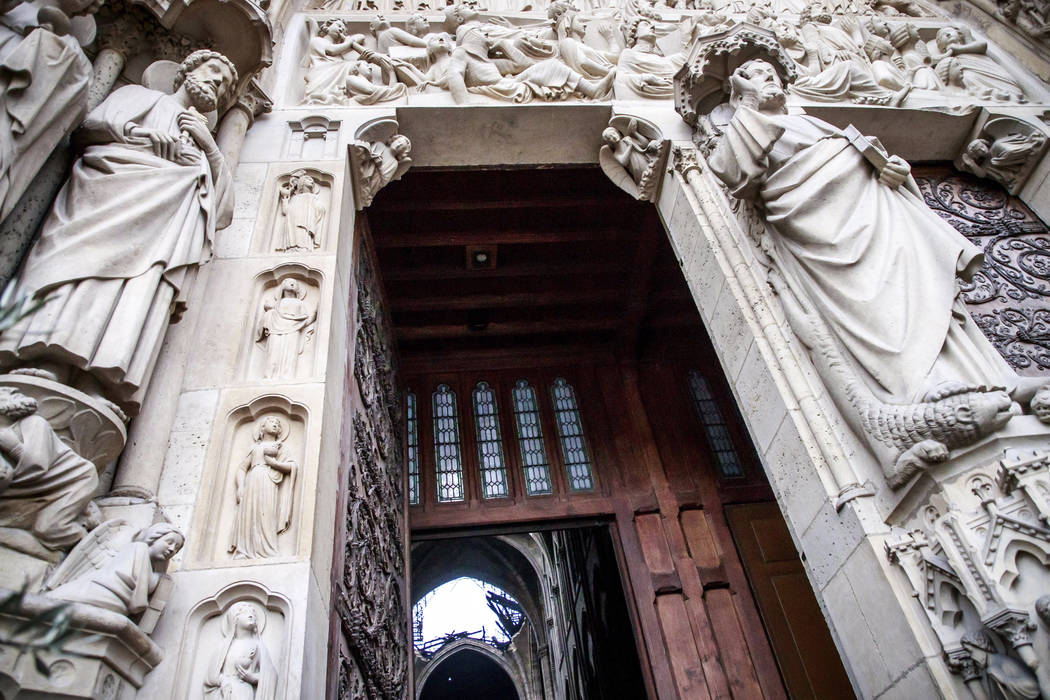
[{"x": 470, "y": 665}]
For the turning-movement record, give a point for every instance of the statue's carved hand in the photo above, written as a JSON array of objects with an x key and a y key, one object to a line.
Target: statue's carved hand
[
  {"x": 746, "y": 90},
  {"x": 196, "y": 125},
  {"x": 164, "y": 145},
  {"x": 895, "y": 173}
]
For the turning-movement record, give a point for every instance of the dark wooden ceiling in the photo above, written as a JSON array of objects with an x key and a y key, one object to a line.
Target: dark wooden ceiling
[{"x": 579, "y": 266}]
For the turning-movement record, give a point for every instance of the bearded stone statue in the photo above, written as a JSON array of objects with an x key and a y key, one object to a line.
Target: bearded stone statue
[{"x": 135, "y": 218}]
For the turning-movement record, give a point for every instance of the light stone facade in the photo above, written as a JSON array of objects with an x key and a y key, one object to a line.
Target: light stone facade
[{"x": 925, "y": 540}]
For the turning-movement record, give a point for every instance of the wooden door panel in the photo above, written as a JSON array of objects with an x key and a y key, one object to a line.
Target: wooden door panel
[{"x": 805, "y": 652}]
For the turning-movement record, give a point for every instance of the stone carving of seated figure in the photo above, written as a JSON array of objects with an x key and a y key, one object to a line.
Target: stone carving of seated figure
[
  {"x": 644, "y": 71},
  {"x": 513, "y": 77},
  {"x": 108, "y": 571},
  {"x": 342, "y": 70},
  {"x": 963, "y": 63},
  {"x": 1004, "y": 158},
  {"x": 45, "y": 487}
]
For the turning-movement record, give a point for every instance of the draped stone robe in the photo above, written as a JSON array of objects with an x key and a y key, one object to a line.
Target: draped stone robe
[
  {"x": 877, "y": 265},
  {"x": 116, "y": 248}
]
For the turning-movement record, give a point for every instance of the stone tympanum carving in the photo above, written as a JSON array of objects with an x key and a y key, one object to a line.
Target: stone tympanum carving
[
  {"x": 264, "y": 490},
  {"x": 379, "y": 156},
  {"x": 634, "y": 155},
  {"x": 242, "y": 668},
  {"x": 1006, "y": 150},
  {"x": 285, "y": 327},
  {"x": 343, "y": 71},
  {"x": 303, "y": 214},
  {"x": 894, "y": 344},
  {"x": 963, "y": 63},
  {"x": 643, "y": 71},
  {"x": 44, "y": 77},
  {"x": 45, "y": 487},
  {"x": 117, "y": 569},
  {"x": 137, "y": 214}
]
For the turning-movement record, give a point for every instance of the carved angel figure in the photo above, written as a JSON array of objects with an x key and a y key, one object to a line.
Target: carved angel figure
[
  {"x": 632, "y": 155},
  {"x": 304, "y": 213},
  {"x": 45, "y": 487},
  {"x": 265, "y": 486},
  {"x": 286, "y": 326},
  {"x": 1003, "y": 157},
  {"x": 243, "y": 669},
  {"x": 113, "y": 570},
  {"x": 381, "y": 163}
]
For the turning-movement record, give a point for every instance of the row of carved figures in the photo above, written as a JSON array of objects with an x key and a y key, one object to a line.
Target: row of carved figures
[
  {"x": 892, "y": 8},
  {"x": 633, "y": 55}
]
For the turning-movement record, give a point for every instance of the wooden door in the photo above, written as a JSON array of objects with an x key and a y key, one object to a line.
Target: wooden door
[{"x": 808, "y": 659}]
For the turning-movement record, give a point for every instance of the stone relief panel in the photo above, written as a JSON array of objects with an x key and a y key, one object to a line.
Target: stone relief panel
[
  {"x": 1008, "y": 295},
  {"x": 235, "y": 646},
  {"x": 283, "y": 323},
  {"x": 370, "y": 593},
  {"x": 251, "y": 506},
  {"x": 1005, "y": 150},
  {"x": 300, "y": 213}
]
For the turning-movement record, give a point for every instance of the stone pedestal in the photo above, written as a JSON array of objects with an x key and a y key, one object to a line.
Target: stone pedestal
[{"x": 103, "y": 654}]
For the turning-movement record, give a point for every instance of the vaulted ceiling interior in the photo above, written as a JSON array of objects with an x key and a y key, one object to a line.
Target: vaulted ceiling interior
[{"x": 483, "y": 263}]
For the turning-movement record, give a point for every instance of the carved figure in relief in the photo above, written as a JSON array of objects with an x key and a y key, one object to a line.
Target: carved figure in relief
[
  {"x": 44, "y": 77},
  {"x": 1003, "y": 158},
  {"x": 286, "y": 326},
  {"x": 418, "y": 26},
  {"x": 265, "y": 488},
  {"x": 304, "y": 213},
  {"x": 963, "y": 63},
  {"x": 864, "y": 256},
  {"x": 45, "y": 487},
  {"x": 243, "y": 669},
  {"x": 916, "y": 57},
  {"x": 378, "y": 163},
  {"x": 1011, "y": 678},
  {"x": 138, "y": 213},
  {"x": 644, "y": 71},
  {"x": 585, "y": 60},
  {"x": 387, "y": 35},
  {"x": 1040, "y": 404},
  {"x": 839, "y": 69},
  {"x": 515, "y": 77},
  {"x": 108, "y": 572},
  {"x": 633, "y": 155},
  {"x": 342, "y": 70}
]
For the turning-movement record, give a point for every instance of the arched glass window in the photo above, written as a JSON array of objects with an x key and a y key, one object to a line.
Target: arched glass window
[
  {"x": 530, "y": 439},
  {"x": 412, "y": 428},
  {"x": 447, "y": 451},
  {"x": 715, "y": 427},
  {"x": 570, "y": 435},
  {"x": 490, "y": 445}
]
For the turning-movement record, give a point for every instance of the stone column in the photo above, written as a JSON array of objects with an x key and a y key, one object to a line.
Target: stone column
[
  {"x": 230, "y": 137},
  {"x": 108, "y": 65}
]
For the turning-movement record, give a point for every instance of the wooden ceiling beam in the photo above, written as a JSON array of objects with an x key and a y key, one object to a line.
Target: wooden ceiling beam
[
  {"x": 424, "y": 204},
  {"x": 491, "y": 237},
  {"x": 637, "y": 286},
  {"x": 459, "y": 330},
  {"x": 464, "y": 302},
  {"x": 435, "y": 272}
]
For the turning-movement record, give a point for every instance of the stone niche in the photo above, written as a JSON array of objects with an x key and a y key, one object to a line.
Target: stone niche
[
  {"x": 249, "y": 507},
  {"x": 218, "y": 637},
  {"x": 282, "y": 324},
  {"x": 297, "y": 213}
]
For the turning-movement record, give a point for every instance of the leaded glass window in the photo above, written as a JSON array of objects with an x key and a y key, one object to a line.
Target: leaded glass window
[
  {"x": 715, "y": 427},
  {"x": 570, "y": 435},
  {"x": 412, "y": 428},
  {"x": 530, "y": 439},
  {"x": 447, "y": 450},
  {"x": 490, "y": 445}
]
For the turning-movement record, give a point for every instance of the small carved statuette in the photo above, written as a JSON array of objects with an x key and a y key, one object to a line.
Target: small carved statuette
[
  {"x": 111, "y": 571},
  {"x": 634, "y": 155},
  {"x": 1040, "y": 404},
  {"x": 1011, "y": 678},
  {"x": 379, "y": 155},
  {"x": 45, "y": 487},
  {"x": 243, "y": 668},
  {"x": 286, "y": 326},
  {"x": 304, "y": 214},
  {"x": 1005, "y": 151},
  {"x": 265, "y": 488}
]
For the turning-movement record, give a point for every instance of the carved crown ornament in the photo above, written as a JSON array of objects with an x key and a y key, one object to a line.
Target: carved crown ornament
[{"x": 703, "y": 81}]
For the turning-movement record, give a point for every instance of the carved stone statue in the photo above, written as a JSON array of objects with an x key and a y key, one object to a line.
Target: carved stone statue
[
  {"x": 643, "y": 70},
  {"x": 45, "y": 487},
  {"x": 242, "y": 669},
  {"x": 286, "y": 326},
  {"x": 858, "y": 255},
  {"x": 138, "y": 213},
  {"x": 963, "y": 63},
  {"x": 342, "y": 71},
  {"x": 1011, "y": 678},
  {"x": 44, "y": 79},
  {"x": 377, "y": 164},
  {"x": 304, "y": 214},
  {"x": 633, "y": 155},
  {"x": 108, "y": 572},
  {"x": 265, "y": 489},
  {"x": 1005, "y": 152},
  {"x": 1040, "y": 403},
  {"x": 585, "y": 60}
]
